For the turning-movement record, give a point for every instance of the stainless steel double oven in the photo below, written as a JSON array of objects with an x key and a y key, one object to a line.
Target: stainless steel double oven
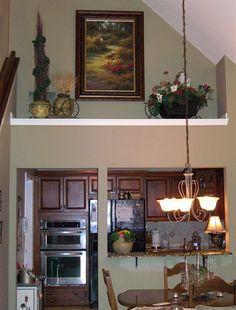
[{"x": 63, "y": 251}]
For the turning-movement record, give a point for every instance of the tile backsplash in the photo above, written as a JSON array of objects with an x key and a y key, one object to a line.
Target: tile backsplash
[{"x": 173, "y": 233}]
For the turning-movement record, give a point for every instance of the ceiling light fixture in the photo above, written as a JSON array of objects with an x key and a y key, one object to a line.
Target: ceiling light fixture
[{"x": 181, "y": 209}]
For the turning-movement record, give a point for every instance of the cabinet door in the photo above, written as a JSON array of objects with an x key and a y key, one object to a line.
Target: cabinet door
[
  {"x": 93, "y": 185},
  {"x": 75, "y": 193},
  {"x": 50, "y": 193},
  {"x": 74, "y": 296},
  {"x": 156, "y": 188},
  {"x": 211, "y": 183},
  {"x": 130, "y": 184}
]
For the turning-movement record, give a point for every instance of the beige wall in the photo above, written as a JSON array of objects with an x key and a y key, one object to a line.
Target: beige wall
[
  {"x": 4, "y": 160},
  {"x": 4, "y": 29},
  {"x": 163, "y": 51},
  {"x": 106, "y": 147},
  {"x": 4, "y": 214},
  {"x": 158, "y": 147}
]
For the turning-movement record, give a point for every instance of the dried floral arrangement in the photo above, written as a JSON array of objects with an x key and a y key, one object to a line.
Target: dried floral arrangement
[{"x": 64, "y": 82}]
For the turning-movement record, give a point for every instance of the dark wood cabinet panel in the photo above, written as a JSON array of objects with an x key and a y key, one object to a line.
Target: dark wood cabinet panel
[
  {"x": 211, "y": 183},
  {"x": 156, "y": 188},
  {"x": 93, "y": 185},
  {"x": 75, "y": 193},
  {"x": 132, "y": 184},
  {"x": 50, "y": 193},
  {"x": 66, "y": 296},
  {"x": 165, "y": 184},
  {"x": 62, "y": 193}
]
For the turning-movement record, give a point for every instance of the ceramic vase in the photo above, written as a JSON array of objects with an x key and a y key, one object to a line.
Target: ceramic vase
[
  {"x": 40, "y": 109},
  {"x": 122, "y": 246}
]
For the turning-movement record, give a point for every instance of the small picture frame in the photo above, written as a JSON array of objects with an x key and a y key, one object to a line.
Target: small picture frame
[{"x": 109, "y": 55}]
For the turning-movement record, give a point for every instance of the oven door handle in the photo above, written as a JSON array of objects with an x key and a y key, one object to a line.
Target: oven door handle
[
  {"x": 66, "y": 232},
  {"x": 71, "y": 253}
]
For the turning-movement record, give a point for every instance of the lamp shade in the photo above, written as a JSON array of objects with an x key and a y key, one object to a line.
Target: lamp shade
[
  {"x": 185, "y": 204},
  {"x": 214, "y": 225},
  {"x": 208, "y": 203},
  {"x": 169, "y": 204}
]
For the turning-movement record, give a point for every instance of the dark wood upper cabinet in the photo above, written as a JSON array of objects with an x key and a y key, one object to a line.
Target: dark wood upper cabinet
[
  {"x": 62, "y": 193},
  {"x": 93, "y": 185},
  {"x": 211, "y": 183},
  {"x": 50, "y": 193},
  {"x": 132, "y": 184},
  {"x": 75, "y": 193},
  {"x": 165, "y": 184},
  {"x": 156, "y": 188}
]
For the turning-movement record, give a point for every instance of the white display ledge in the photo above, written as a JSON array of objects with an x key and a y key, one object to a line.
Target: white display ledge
[{"x": 116, "y": 122}]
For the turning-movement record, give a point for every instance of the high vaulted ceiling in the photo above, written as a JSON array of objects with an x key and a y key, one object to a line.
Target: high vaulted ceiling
[{"x": 210, "y": 24}]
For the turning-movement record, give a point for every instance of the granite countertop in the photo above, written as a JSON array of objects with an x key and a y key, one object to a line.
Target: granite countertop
[{"x": 171, "y": 252}]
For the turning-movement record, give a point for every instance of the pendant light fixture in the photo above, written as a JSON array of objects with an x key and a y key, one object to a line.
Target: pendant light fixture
[{"x": 180, "y": 209}]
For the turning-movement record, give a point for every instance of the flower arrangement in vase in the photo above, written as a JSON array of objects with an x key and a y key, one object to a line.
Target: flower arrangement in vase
[
  {"x": 168, "y": 98},
  {"x": 64, "y": 106},
  {"x": 122, "y": 240}
]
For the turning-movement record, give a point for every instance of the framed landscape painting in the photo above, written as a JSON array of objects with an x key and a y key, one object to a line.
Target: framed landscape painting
[{"x": 109, "y": 55}]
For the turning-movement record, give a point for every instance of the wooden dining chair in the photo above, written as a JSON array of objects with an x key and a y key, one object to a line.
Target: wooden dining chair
[
  {"x": 110, "y": 292},
  {"x": 169, "y": 272},
  {"x": 215, "y": 284}
]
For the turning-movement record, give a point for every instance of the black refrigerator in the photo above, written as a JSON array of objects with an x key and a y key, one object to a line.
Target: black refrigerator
[
  {"x": 120, "y": 213},
  {"x": 129, "y": 214},
  {"x": 93, "y": 249}
]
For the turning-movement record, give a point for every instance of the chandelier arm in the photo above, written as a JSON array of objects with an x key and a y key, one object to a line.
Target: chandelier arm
[
  {"x": 178, "y": 216},
  {"x": 195, "y": 188},
  {"x": 182, "y": 188},
  {"x": 199, "y": 214}
]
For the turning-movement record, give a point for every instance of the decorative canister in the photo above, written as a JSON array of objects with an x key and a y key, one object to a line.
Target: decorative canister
[
  {"x": 63, "y": 106},
  {"x": 156, "y": 238},
  {"x": 40, "y": 109},
  {"x": 25, "y": 276},
  {"x": 122, "y": 246}
]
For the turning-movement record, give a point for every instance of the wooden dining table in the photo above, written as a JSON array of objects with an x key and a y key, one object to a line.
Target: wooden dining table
[{"x": 148, "y": 297}]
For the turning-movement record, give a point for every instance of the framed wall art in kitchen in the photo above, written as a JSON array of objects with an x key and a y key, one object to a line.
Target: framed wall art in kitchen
[{"x": 109, "y": 55}]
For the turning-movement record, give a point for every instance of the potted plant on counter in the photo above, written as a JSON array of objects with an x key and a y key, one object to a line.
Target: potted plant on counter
[
  {"x": 122, "y": 240},
  {"x": 168, "y": 98}
]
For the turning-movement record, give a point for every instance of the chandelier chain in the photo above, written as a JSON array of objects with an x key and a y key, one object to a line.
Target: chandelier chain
[
  {"x": 183, "y": 209},
  {"x": 185, "y": 85}
]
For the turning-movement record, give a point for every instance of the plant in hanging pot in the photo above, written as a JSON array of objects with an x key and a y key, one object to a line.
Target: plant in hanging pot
[
  {"x": 64, "y": 106},
  {"x": 40, "y": 107},
  {"x": 168, "y": 98},
  {"x": 122, "y": 240}
]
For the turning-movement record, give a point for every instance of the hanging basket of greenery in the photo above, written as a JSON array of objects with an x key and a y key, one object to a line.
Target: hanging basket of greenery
[{"x": 168, "y": 99}]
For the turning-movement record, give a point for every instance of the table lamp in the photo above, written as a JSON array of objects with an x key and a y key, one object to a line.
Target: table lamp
[{"x": 215, "y": 229}]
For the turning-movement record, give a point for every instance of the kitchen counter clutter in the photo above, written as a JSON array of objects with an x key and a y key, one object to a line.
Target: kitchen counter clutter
[
  {"x": 29, "y": 296},
  {"x": 170, "y": 252}
]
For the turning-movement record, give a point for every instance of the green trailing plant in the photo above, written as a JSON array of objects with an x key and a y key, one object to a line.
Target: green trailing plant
[
  {"x": 41, "y": 70},
  {"x": 126, "y": 233}
]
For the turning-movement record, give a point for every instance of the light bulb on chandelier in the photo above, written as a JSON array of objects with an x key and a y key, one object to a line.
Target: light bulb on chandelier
[{"x": 180, "y": 209}]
